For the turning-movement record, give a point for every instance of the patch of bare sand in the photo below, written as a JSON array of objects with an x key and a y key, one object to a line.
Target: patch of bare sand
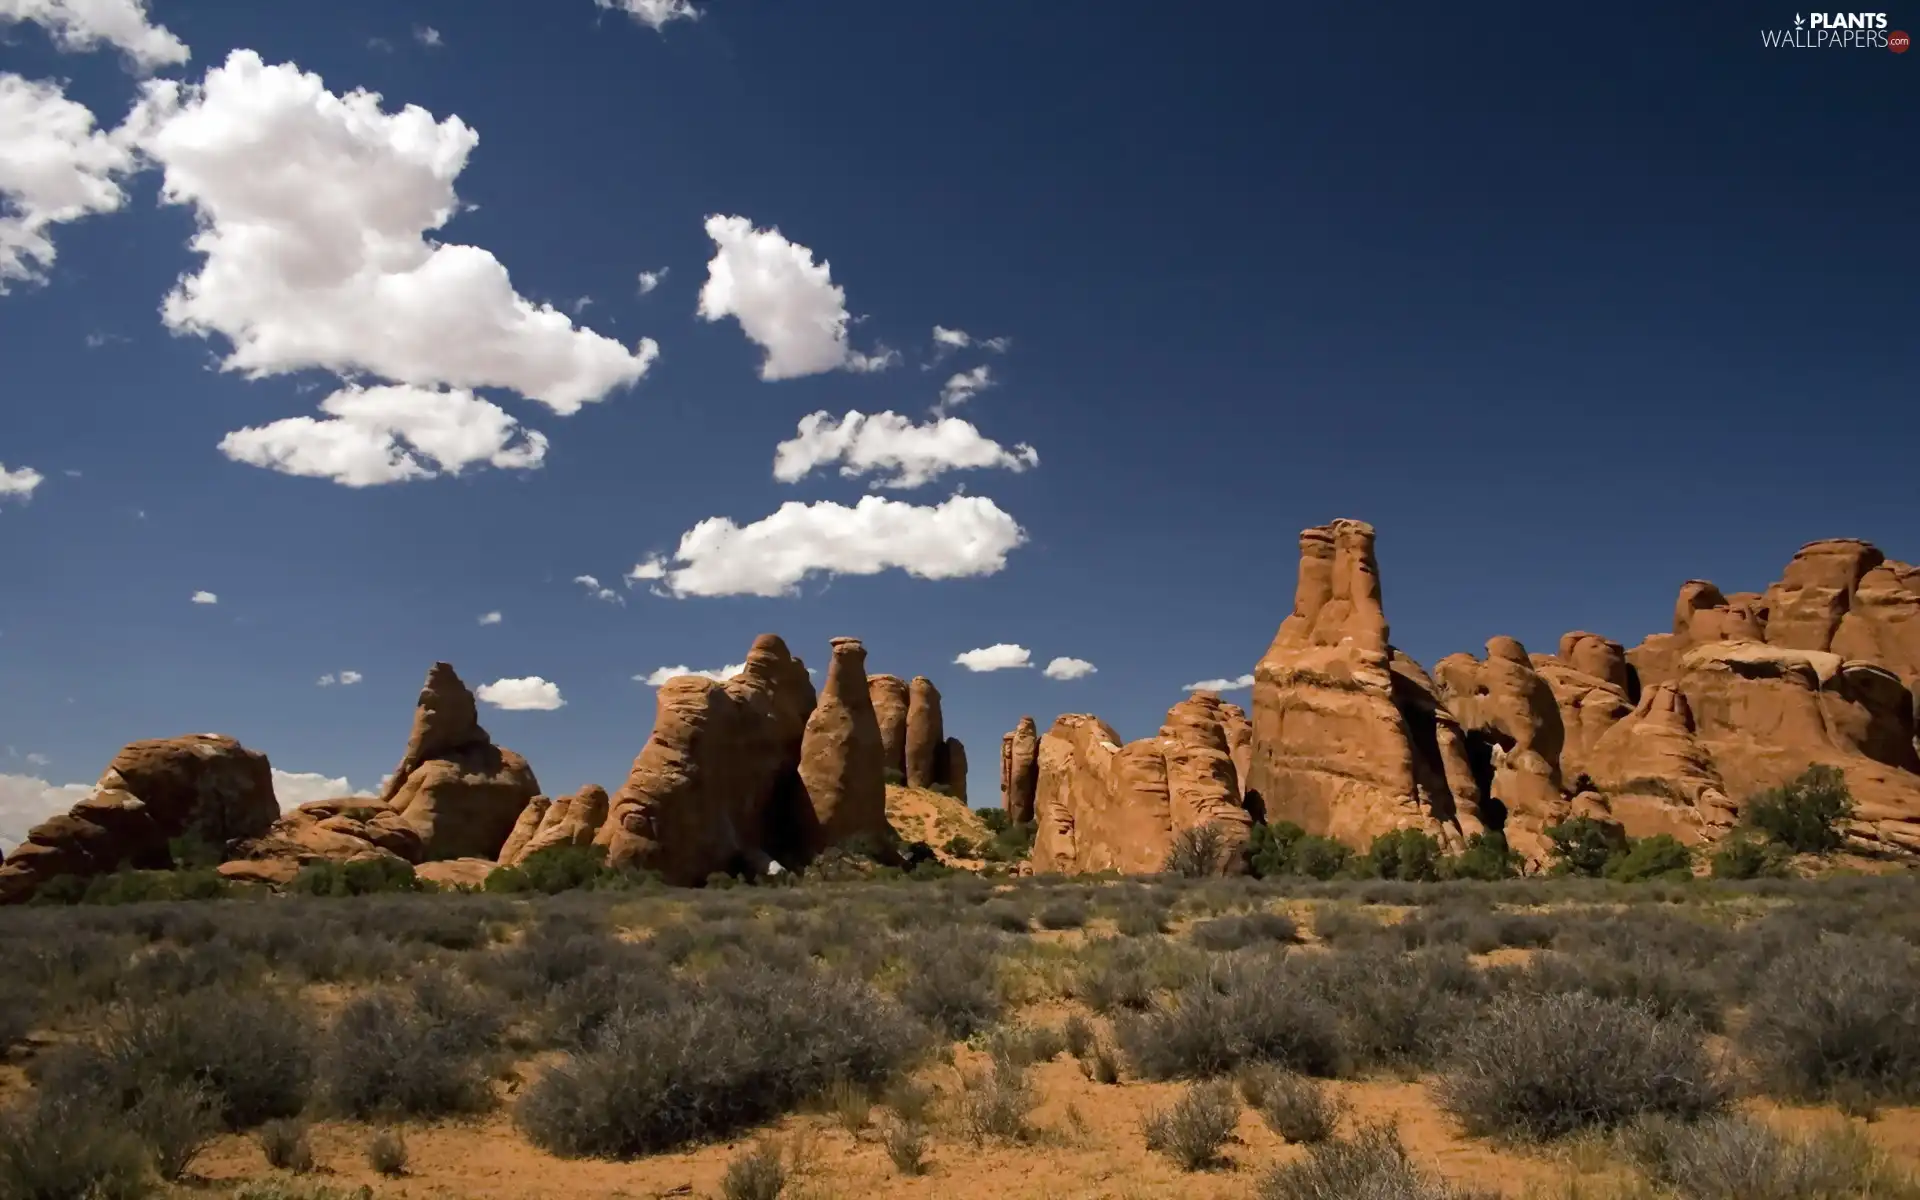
[{"x": 922, "y": 815}]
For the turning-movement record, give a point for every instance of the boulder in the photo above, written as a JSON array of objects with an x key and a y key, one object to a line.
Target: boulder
[
  {"x": 458, "y": 791},
  {"x": 717, "y": 785},
  {"x": 201, "y": 786},
  {"x": 569, "y": 821},
  {"x": 1331, "y": 750},
  {"x": 926, "y": 734},
  {"x": 1020, "y": 771},
  {"x": 842, "y": 758},
  {"x": 890, "y": 699}
]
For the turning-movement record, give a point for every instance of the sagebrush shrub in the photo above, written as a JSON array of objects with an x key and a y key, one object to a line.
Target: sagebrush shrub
[
  {"x": 1069, "y": 913},
  {"x": 287, "y": 1145},
  {"x": 756, "y": 1173},
  {"x": 1241, "y": 1012},
  {"x": 906, "y": 1145},
  {"x": 996, "y": 1103},
  {"x": 1738, "y": 1158},
  {"x": 387, "y": 1152},
  {"x": 1842, "y": 1014},
  {"x": 1542, "y": 1067},
  {"x": 1297, "y": 1108},
  {"x": 1192, "y": 1130},
  {"x": 1664, "y": 987},
  {"x": 952, "y": 983},
  {"x": 1397, "y": 1010},
  {"x": 1250, "y": 929},
  {"x": 175, "y": 1122},
  {"x": 59, "y": 1149},
  {"x": 725, "y": 1052},
  {"x": 1373, "y": 1165},
  {"x": 385, "y": 1057}
]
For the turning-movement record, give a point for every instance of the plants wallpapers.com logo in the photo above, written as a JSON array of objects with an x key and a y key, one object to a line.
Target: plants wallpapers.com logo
[{"x": 1837, "y": 31}]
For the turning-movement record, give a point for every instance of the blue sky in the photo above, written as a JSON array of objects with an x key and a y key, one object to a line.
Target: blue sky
[{"x": 1571, "y": 309}]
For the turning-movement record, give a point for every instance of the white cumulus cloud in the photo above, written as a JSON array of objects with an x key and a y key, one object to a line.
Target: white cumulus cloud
[
  {"x": 1069, "y": 668},
  {"x": 429, "y": 37},
  {"x": 914, "y": 454},
  {"x": 55, "y": 167},
  {"x": 26, "y": 801},
  {"x": 959, "y": 537},
  {"x": 597, "y": 592},
  {"x": 1220, "y": 685},
  {"x": 205, "y": 598},
  {"x": 964, "y": 386},
  {"x": 491, "y": 618},
  {"x": 294, "y": 788},
  {"x": 344, "y": 679},
  {"x": 389, "y": 434},
  {"x": 946, "y": 341},
  {"x": 650, "y": 280},
  {"x": 518, "y": 695},
  {"x": 660, "y": 675},
  {"x": 19, "y": 483},
  {"x": 314, "y": 213},
  {"x": 1001, "y": 656},
  {"x": 654, "y": 13},
  {"x": 85, "y": 24},
  {"x": 786, "y": 304}
]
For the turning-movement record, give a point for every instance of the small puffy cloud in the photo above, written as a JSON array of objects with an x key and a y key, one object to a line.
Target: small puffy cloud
[
  {"x": 786, "y": 304},
  {"x": 1069, "y": 668},
  {"x": 429, "y": 37},
  {"x": 913, "y": 454},
  {"x": 1002, "y": 656},
  {"x": 294, "y": 788},
  {"x": 55, "y": 167},
  {"x": 965, "y": 386},
  {"x": 961, "y": 537},
  {"x": 392, "y": 434},
  {"x": 26, "y": 801},
  {"x": 18, "y": 484},
  {"x": 1221, "y": 685},
  {"x": 316, "y": 215},
  {"x": 85, "y": 24},
  {"x": 597, "y": 592},
  {"x": 344, "y": 679},
  {"x": 38, "y": 760},
  {"x": 650, "y": 280},
  {"x": 521, "y": 695},
  {"x": 491, "y": 618},
  {"x": 946, "y": 341},
  {"x": 205, "y": 598},
  {"x": 654, "y": 13},
  {"x": 660, "y": 675}
]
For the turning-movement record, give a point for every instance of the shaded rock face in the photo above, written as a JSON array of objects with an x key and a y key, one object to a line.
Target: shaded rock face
[
  {"x": 1332, "y": 748},
  {"x": 458, "y": 791},
  {"x": 890, "y": 698},
  {"x": 1020, "y": 770},
  {"x": 926, "y": 734},
  {"x": 842, "y": 756},
  {"x": 956, "y": 768},
  {"x": 569, "y": 821},
  {"x": 203, "y": 786},
  {"x": 1504, "y": 702},
  {"x": 1100, "y": 805},
  {"x": 717, "y": 785}
]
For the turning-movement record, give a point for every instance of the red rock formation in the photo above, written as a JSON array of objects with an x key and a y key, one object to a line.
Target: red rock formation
[
  {"x": 203, "y": 786},
  {"x": 1331, "y": 749},
  {"x": 842, "y": 756},
  {"x": 1020, "y": 771},
  {"x": 719, "y": 772},
  {"x": 1100, "y": 805},
  {"x": 890, "y": 699},
  {"x": 524, "y": 828},
  {"x": 926, "y": 734},
  {"x": 1656, "y": 775},
  {"x": 955, "y": 761},
  {"x": 1505, "y": 701},
  {"x": 454, "y": 787},
  {"x": 569, "y": 821}
]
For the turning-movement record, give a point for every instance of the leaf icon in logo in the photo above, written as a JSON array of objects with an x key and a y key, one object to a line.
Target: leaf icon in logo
[{"x": 1798, "y": 21}]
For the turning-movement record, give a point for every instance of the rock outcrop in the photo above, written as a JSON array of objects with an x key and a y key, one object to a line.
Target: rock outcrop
[
  {"x": 208, "y": 788},
  {"x": 1019, "y": 770},
  {"x": 1100, "y": 805},
  {"x": 955, "y": 762},
  {"x": 569, "y": 821},
  {"x": 926, "y": 734},
  {"x": 1336, "y": 747},
  {"x": 454, "y": 787},
  {"x": 1514, "y": 711},
  {"x": 890, "y": 699},
  {"x": 717, "y": 785},
  {"x": 842, "y": 757}
]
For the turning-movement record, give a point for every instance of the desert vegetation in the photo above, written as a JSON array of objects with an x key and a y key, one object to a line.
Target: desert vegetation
[{"x": 1371, "y": 1034}]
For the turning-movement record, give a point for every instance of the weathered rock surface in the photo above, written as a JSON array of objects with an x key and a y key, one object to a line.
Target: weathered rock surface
[
  {"x": 926, "y": 734},
  {"x": 350, "y": 829},
  {"x": 890, "y": 699},
  {"x": 955, "y": 762},
  {"x": 203, "y": 786},
  {"x": 454, "y": 787},
  {"x": 569, "y": 821},
  {"x": 1019, "y": 770},
  {"x": 1506, "y": 702},
  {"x": 524, "y": 828},
  {"x": 1331, "y": 749},
  {"x": 842, "y": 757},
  {"x": 719, "y": 775},
  {"x": 458, "y": 872},
  {"x": 1100, "y": 805}
]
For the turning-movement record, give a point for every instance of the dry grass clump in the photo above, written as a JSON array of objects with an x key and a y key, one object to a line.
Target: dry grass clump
[{"x": 1194, "y": 1128}]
